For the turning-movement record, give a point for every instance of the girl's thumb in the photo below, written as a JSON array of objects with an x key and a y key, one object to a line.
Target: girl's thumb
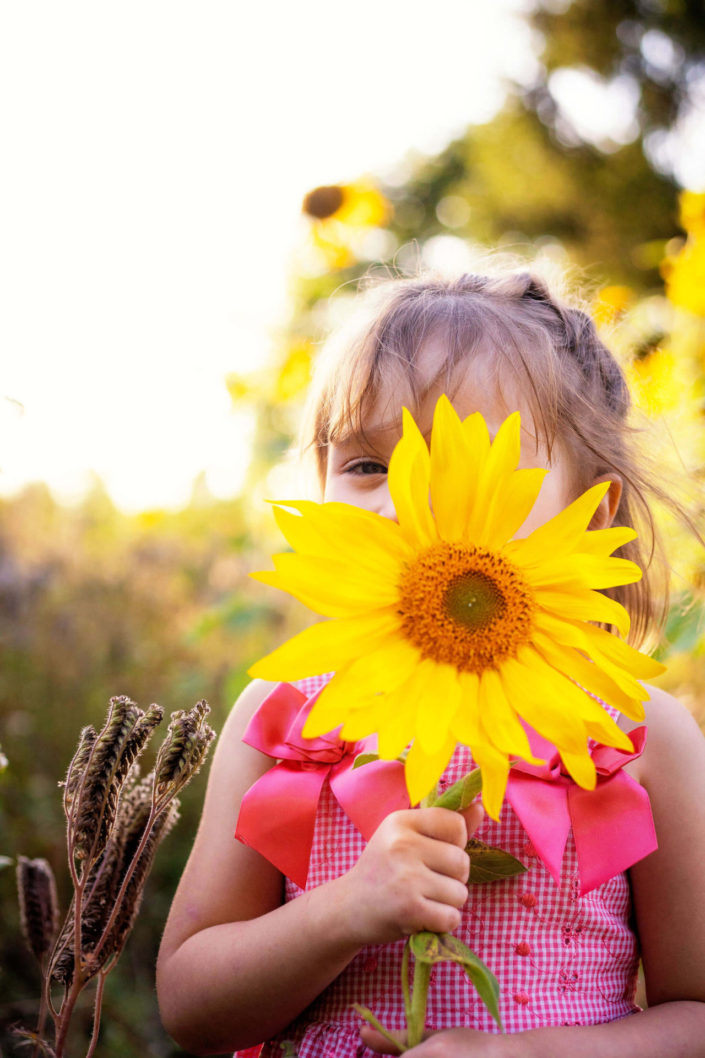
[{"x": 473, "y": 816}]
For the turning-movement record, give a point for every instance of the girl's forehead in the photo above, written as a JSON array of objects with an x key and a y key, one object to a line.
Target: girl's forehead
[{"x": 476, "y": 384}]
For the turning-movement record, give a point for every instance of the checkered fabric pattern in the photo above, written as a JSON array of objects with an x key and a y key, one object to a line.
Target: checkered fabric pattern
[{"x": 560, "y": 959}]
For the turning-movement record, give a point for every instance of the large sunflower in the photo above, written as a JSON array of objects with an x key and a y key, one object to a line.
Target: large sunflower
[{"x": 447, "y": 630}]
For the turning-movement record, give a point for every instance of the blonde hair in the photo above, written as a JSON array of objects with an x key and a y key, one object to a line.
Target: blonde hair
[{"x": 575, "y": 390}]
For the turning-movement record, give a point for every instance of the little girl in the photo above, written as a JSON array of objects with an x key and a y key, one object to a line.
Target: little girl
[{"x": 248, "y": 955}]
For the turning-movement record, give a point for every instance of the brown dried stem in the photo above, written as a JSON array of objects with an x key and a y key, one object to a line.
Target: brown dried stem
[{"x": 115, "y": 823}]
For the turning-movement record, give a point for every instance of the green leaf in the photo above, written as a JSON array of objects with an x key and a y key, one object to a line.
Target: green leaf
[
  {"x": 462, "y": 793},
  {"x": 368, "y": 1016},
  {"x": 489, "y": 864},
  {"x": 444, "y": 947},
  {"x": 364, "y": 758},
  {"x": 368, "y": 758},
  {"x": 6, "y": 861}
]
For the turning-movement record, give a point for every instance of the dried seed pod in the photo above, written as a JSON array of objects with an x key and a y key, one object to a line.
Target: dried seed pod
[
  {"x": 184, "y": 748},
  {"x": 39, "y": 910},
  {"x": 132, "y": 900},
  {"x": 107, "y": 765},
  {"x": 77, "y": 766},
  {"x": 105, "y": 880}
]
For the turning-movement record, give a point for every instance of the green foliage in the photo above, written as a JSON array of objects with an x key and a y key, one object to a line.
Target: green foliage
[
  {"x": 462, "y": 793},
  {"x": 93, "y": 601},
  {"x": 490, "y": 864},
  {"x": 432, "y": 948},
  {"x": 660, "y": 45},
  {"x": 524, "y": 189}
]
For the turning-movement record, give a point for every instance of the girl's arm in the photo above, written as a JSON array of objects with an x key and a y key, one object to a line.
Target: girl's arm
[
  {"x": 236, "y": 965},
  {"x": 669, "y": 902}
]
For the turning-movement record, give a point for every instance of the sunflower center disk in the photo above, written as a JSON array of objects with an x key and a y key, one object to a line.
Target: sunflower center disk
[
  {"x": 474, "y": 600},
  {"x": 465, "y": 606}
]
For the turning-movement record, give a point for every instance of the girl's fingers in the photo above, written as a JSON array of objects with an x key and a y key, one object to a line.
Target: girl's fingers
[
  {"x": 448, "y": 860},
  {"x": 473, "y": 816},
  {"x": 438, "y": 916},
  {"x": 377, "y": 1042},
  {"x": 441, "y": 824}
]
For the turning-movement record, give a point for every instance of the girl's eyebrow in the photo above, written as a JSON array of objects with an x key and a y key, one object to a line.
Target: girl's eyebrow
[{"x": 367, "y": 437}]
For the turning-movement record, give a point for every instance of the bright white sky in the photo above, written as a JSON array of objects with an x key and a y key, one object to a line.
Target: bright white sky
[
  {"x": 155, "y": 158},
  {"x": 156, "y": 153}
]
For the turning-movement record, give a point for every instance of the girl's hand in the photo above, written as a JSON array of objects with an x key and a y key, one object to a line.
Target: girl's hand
[
  {"x": 452, "y": 1043},
  {"x": 412, "y": 875}
]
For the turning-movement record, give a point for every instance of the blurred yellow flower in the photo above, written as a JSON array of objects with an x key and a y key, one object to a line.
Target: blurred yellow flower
[
  {"x": 275, "y": 384},
  {"x": 363, "y": 205},
  {"x": 685, "y": 276},
  {"x": 611, "y": 303},
  {"x": 242, "y": 388},
  {"x": 338, "y": 212},
  {"x": 692, "y": 212},
  {"x": 684, "y": 272},
  {"x": 447, "y": 630},
  {"x": 657, "y": 383},
  {"x": 330, "y": 240},
  {"x": 294, "y": 374}
]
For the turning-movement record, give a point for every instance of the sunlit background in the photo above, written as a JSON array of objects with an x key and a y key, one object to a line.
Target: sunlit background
[
  {"x": 190, "y": 195},
  {"x": 156, "y": 156}
]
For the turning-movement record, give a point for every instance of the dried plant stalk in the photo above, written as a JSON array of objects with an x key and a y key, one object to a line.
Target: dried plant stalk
[
  {"x": 115, "y": 823},
  {"x": 39, "y": 908},
  {"x": 184, "y": 748},
  {"x": 98, "y": 772}
]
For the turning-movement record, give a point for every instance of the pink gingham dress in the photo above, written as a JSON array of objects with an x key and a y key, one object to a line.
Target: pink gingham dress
[{"x": 560, "y": 959}]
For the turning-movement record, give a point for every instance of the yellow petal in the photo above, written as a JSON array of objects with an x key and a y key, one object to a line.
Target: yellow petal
[
  {"x": 500, "y": 464},
  {"x": 624, "y": 670},
  {"x": 584, "y": 605},
  {"x": 592, "y": 718},
  {"x": 585, "y": 571},
  {"x": 438, "y": 698},
  {"x": 591, "y": 676},
  {"x": 423, "y": 770},
  {"x": 499, "y": 720},
  {"x": 323, "y": 719},
  {"x": 326, "y": 647},
  {"x": 449, "y": 449},
  {"x": 477, "y": 438},
  {"x": 622, "y": 654},
  {"x": 495, "y": 771},
  {"x": 382, "y": 671},
  {"x": 561, "y": 534},
  {"x": 465, "y": 725},
  {"x": 581, "y": 767},
  {"x": 327, "y": 530},
  {"x": 605, "y": 541},
  {"x": 408, "y": 476},
  {"x": 334, "y": 589},
  {"x": 361, "y": 700},
  {"x": 396, "y": 730},
  {"x": 511, "y": 506},
  {"x": 533, "y": 688}
]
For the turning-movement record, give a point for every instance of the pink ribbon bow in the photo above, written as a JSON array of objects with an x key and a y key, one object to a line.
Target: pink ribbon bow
[
  {"x": 612, "y": 825},
  {"x": 278, "y": 812}
]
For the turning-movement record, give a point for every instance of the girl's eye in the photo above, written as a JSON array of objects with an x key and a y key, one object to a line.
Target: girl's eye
[{"x": 367, "y": 467}]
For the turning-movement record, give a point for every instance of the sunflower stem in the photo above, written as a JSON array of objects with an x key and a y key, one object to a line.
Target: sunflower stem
[
  {"x": 405, "y": 980},
  {"x": 419, "y": 996}
]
